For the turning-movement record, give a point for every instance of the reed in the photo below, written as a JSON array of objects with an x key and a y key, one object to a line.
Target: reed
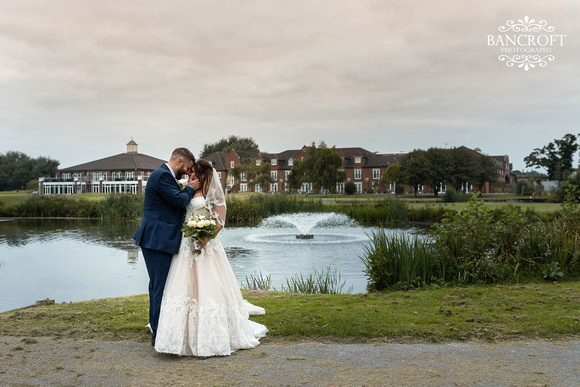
[
  {"x": 257, "y": 207},
  {"x": 324, "y": 282},
  {"x": 56, "y": 206},
  {"x": 120, "y": 206},
  {"x": 398, "y": 261},
  {"x": 257, "y": 281}
]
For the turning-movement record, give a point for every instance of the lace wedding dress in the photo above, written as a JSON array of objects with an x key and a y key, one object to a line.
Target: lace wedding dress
[{"x": 203, "y": 312}]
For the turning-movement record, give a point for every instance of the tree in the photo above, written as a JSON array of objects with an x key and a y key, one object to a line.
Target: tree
[
  {"x": 17, "y": 169},
  {"x": 486, "y": 172},
  {"x": 254, "y": 174},
  {"x": 556, "y": 157},
  {"x": 321, "y": 167},
  {"x": 227, "y": 144},
  {"x": 393, "y": 174},
  {"x": 464, "y": 169},
  {"x": 415, "y": 169},
  {"x": 440, "y": 166}
]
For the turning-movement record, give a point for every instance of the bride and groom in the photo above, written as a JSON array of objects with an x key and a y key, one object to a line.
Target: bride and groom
[{"x": 195, "y": 305}]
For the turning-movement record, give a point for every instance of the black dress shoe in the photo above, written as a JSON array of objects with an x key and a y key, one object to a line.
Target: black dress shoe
[{"x": 153, "y": 342}]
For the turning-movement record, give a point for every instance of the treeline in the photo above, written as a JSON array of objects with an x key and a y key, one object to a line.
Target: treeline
[
  {"x": 438, "y": 167},
  {"x": 17, "y": 170}
]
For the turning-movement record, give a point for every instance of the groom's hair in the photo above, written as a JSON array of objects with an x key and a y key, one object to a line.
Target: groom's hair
[{"x": 182, "y": 153}]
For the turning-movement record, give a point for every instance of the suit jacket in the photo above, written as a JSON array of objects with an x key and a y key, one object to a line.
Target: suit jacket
[{"x": 164, "y": 212}]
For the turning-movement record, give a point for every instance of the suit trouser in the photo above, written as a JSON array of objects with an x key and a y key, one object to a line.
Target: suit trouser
[{"x": 158, "y": 263}]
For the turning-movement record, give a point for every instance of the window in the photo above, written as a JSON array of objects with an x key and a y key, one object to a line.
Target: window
[
  {"x": 66, "y": 176},
  {"x": 219, "y": 175},
  {"x": 357, "y": 174},
  {"x": 274, "y": 175},
  {"x": 339, "y": 187},
  {"x": 357, "y": 160},
  {"x": 274, "y": 188},
  {"x": 358, "y": 187},
  {"x": 258, "y": 188},
  {"x": 286, "y": 174},
  {"x": 274, "y": 162},
  {"x": 376, "y": 174},
  {"x": 393, "y": 187},
  {"x": 129, "y": 176},
  {"x": 290, "y": 161},
  {"x": 243, "y": 187},
  {"x": 243, "y": 176},
  {"x": 231, "y": 164},
  {"x": 258, "y": 162}
]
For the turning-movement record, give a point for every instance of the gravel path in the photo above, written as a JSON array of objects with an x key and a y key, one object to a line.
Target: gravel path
[{"x": 46, "y": 362}]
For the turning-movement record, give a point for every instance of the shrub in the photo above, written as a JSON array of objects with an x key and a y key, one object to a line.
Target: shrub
[
  {"x": 350, "y": 188},
  {"x": 452, "y": 196}
]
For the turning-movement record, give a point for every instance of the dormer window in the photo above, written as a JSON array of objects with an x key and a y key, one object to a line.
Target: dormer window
[
  {"x": 274, "y": 162},
  {"x": 357, "y": 159},
  {"x": 258, "y": 162},
  {"x": 290, "y": 161}
]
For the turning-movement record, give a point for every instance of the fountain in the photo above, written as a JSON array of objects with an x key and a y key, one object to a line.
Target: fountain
[{"x": 307, "y": 228}]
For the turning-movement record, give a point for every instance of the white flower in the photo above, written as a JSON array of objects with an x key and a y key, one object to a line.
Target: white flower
[{"x": 192, "y": 224}]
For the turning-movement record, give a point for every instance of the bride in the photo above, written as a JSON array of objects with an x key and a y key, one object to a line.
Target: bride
[{"x": 203, "y": 312}]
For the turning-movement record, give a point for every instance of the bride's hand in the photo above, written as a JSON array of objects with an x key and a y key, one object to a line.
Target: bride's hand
[
  {"x": 195, "y": 184},
  {"x": 202, "y": 245}
]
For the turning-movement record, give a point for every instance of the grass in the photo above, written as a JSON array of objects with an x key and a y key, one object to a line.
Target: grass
[{"x": 485, "y": 313}]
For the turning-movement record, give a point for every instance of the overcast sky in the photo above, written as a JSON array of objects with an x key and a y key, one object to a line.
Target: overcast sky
[{"x": 80, "y": 78}]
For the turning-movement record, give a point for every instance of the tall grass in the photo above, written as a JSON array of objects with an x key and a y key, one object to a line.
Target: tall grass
[
  {"x": 121, "y": 206},
  {"x": 56, "y": 206},
  {"x": 398, "y": 261},
  {"x": 257, "y": 207},
  {"x": 320, "y": 282},
  {"x": 323, "y": 282},
  {"x": 388, "y": 211}
]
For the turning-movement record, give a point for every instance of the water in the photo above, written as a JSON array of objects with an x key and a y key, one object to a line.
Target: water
[{"x": 76, "y": 260}]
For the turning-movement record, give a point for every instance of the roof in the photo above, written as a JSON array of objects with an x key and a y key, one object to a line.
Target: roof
[
  {"x": 218, "y": 160},
  {"x": 369, "y": 159},
  {"x": 120, "y": 162}
]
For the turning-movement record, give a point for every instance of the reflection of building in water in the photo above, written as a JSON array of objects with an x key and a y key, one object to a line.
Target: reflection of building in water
[
  {"x": 132, "y": 255},
  {"x": 122, "y": 173}
]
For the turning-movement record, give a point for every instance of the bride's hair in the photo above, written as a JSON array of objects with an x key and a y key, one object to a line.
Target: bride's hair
[{"x": 203, "y": 171}]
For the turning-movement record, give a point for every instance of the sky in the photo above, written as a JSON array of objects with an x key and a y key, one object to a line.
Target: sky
[{"x": 81, "y": 78}]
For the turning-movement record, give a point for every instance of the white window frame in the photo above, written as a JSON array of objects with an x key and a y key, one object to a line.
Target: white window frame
[
  {"x": 376, "y": 174},
  {"x": 358, "y": 174},
  {"x": 243, "y": 176},
  {"x": 358, "y": 187},
  {"x": 357, "y": 159},
  {"x": 232, "y": 164},
  {"x": 274, "y": 175},
  {"x": 243, "y": 188},
  {"x": 258, "y": 162},
  {"x": 274, "y": 187},
  {"x": 258, "y": 188},
  {"x": 290, "y": 162},
  {"x": 274, "y": 162},
  {"x": 286, "y": 174}
]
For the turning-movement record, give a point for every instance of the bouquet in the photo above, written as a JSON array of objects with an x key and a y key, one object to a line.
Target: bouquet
[{"x": 199, "y": 228}]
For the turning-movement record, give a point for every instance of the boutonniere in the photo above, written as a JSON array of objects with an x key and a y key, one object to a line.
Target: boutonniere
[{"x": 182, "y": 183}]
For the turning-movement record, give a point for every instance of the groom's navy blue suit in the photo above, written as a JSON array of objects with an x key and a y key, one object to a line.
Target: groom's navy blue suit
[{"x": 160, "y": 232}]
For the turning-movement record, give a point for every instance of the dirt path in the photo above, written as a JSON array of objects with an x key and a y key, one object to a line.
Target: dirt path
[{"x": 47, "y": 361}]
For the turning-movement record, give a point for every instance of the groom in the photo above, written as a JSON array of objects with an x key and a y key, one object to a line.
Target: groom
[{"x": 160, "y": 232}]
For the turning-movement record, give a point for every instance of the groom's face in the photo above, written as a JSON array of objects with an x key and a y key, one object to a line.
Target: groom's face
[{"x": 184, "y": 169}]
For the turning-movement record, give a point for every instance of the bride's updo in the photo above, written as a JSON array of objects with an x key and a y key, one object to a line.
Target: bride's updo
[{"x": 204, "y": 172}]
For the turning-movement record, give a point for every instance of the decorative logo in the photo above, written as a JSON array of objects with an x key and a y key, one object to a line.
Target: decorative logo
[{"x": 529, "y": 44}]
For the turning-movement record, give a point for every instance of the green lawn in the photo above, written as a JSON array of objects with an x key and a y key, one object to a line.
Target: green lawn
[{"x": 490, "y": 313}]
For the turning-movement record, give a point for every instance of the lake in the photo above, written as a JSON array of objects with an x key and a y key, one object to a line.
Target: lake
[{"x": 71, "y": 260}]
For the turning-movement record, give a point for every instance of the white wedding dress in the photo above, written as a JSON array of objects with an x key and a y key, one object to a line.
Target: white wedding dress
[{"x": 203, "y": 312}]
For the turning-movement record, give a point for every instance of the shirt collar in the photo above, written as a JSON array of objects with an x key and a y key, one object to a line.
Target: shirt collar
[{"x": 171, "y": 170}]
